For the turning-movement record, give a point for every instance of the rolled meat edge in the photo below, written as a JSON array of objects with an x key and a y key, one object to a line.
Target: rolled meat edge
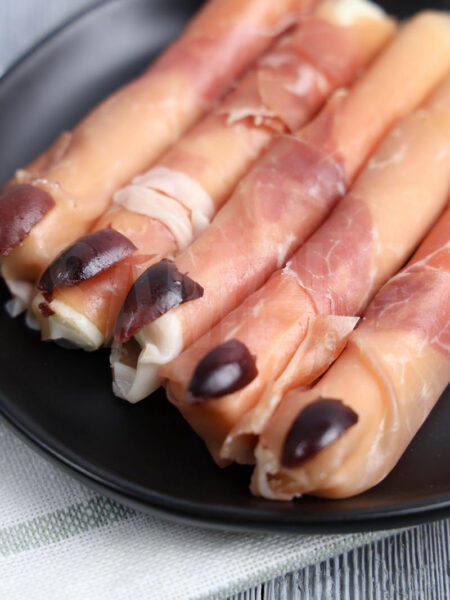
[
  {"x": 390, "y": 376},
  {"x": 297, "y": 324},
  {"x": 83, "y": 168},
  {"x": 288, "y": 194},
  {"x": 175, "y": 200}
]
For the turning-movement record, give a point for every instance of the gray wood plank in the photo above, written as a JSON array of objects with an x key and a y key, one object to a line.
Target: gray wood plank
[{"x": 414, "y": 565}]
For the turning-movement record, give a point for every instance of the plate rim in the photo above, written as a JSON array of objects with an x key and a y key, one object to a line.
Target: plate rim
[
  {"x": 53, "y": 33},
  {"x": 226, "y": 518},
  {"x": 194, "y": 513}
]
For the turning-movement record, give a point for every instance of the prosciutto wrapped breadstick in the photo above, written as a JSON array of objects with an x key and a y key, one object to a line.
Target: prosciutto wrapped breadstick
[
  {"x": 69, "y": 186},
  {"x": 164, "y": 209},
  {"x": 275, "y": 207},
  {"x": 297, "y": 324},
  {"x": 346, "y": 433}
]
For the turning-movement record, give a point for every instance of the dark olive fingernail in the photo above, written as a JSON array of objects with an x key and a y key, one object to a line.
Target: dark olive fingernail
[
  {"x": 21, "y": 208},
  {"x": 226, "y": 369},
  {"x": 86, "y": 258},
  {"x": 316, "y": 426},
  {"x": 158, "y": 289}
]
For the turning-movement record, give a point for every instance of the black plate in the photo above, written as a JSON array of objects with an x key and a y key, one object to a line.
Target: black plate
[{"x": 60, "y": 400}]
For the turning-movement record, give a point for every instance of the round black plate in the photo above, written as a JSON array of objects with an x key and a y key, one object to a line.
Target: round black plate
[{"x": 60, "y": 400}]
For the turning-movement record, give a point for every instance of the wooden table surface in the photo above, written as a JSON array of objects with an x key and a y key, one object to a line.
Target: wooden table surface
[{"x": 414, "y": 565}]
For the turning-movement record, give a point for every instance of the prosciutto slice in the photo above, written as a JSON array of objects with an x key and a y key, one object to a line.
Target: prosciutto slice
[
  {"x": 176, "y": 199},
  {"x": 129, "y": 130},
  {"x": 165, "y": 208},
  {"x": 388, "y": 379},
  {"x": 298, "y": 323},
  {"x": 286, "y": 196}
]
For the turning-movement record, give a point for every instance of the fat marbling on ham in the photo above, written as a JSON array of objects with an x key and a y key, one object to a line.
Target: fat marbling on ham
[
  {"x": 284, "y": 198},
  {"x": 390, "y": 376},
  {"x": 297, "y": 324},
  {"x": 166, "y": 207},
  {"x": 84, "y": 167}
]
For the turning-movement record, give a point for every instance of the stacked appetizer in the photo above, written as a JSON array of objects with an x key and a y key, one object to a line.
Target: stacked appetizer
[{"x": 244, "y": 248}]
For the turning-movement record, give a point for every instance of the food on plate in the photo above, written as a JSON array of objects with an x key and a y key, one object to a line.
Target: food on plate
[
  {"x": 246, "y": 246},
  {"x": 346, "y": 433},
  {"x": 165, "y": 208},
  {"x": 127, "y": 132},
  {"x": 297, "y": 324},
  {"x": 279, "y": 203}
]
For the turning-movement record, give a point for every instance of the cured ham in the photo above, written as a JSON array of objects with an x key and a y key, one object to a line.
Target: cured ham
[
  {"x": 84, "y": 167},
  {"x": 298, "y": 323},
  {"x": 346, "y": 433},
  {"x": 280, "y": 202},
  {"x": 164, "y": 209}
]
